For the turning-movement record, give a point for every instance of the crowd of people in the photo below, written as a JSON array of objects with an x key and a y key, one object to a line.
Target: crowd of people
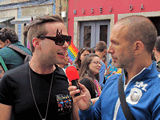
[{"x": 40, "y": 89}]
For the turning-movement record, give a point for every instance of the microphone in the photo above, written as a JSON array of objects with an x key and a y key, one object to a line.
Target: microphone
[{"x": 73, "y": 76}]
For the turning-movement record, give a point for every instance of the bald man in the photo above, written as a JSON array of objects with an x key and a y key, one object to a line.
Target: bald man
[{"x": 132, "y": 41}]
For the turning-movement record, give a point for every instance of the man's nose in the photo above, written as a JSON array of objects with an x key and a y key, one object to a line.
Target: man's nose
[
  {"x": 66, "y": 44},
  {"x": 110, "y": 50}
]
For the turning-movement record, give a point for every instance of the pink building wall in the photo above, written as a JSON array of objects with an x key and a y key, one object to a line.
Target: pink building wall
[{"x": 118, "y": 7}]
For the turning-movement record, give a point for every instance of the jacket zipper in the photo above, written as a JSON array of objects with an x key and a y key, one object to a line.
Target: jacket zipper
[{"x": 125, "y": 87}]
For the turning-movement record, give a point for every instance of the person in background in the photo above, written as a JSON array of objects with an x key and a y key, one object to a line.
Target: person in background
[
  {"x": 11, "y": 58},
  {"x": 132, "y": 41},
  {"x": 93, "y": 49},
  {"x": 156, "y": 51},
  {"x": 89, "y": 74},
  {"x": 80, "y": 56},
  {"x": 101, "y": 51},
  {"x": 39, "y": 89},
  {"x": 66, "y": 62},
  {"x": 104, "y": 60},
  {"x": 111, "y": 70}
]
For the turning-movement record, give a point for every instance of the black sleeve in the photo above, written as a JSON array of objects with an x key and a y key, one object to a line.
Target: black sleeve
[
  {"x": 89, "y": 85},
  {"x": 7, "y": 88}
]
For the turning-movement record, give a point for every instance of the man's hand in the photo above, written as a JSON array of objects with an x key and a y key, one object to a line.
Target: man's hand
[{"x": 83, "y": 101}]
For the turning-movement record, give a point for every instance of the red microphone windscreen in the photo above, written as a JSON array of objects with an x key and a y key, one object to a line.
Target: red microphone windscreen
[{"x": 72, "y": 73}]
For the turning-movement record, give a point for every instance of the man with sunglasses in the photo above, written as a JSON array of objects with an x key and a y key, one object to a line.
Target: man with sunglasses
[{"x": 39, "y": 89}]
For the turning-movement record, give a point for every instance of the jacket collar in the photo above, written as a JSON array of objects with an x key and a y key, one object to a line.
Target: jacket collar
[{"x": 150, "y": 72}]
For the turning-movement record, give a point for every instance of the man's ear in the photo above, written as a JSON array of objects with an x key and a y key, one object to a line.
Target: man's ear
[
  {"x": 138, "y": 47},
  {"x": 154, "y": 49},
  {"x": 7, "y": 42},
  {"x": 105, "y": 51},
  {"x": 35, "y": 42}
]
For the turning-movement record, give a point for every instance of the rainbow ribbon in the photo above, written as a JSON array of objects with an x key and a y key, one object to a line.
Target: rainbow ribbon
[
  {"x": 72, "y": 52},
  {"x": 98, "y": 87}
]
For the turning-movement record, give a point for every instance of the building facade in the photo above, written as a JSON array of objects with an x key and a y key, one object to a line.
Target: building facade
[
  {"x": 18, "y": 13},
  {"x": 90, "y": 21}
]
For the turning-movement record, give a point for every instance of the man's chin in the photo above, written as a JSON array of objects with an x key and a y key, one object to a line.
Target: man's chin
[
  {"x": 116, "y": 65},
  {"x": 61, "y": 62}
]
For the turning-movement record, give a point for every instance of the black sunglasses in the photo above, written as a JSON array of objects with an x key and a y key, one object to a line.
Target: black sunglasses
[{"x": 59, "y": 39}]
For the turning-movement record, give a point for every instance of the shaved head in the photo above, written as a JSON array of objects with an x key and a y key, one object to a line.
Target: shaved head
[{"x": 140, "y": 28}]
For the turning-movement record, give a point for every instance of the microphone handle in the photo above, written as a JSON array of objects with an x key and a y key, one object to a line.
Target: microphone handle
[{"x": 75, "y": 83}]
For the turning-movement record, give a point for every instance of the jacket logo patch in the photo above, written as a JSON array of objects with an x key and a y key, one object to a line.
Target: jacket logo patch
[
  {"x": 136, "y": 93},
  {"x": 141, "y": 85},
  {"x": 134, "y": 96}
]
